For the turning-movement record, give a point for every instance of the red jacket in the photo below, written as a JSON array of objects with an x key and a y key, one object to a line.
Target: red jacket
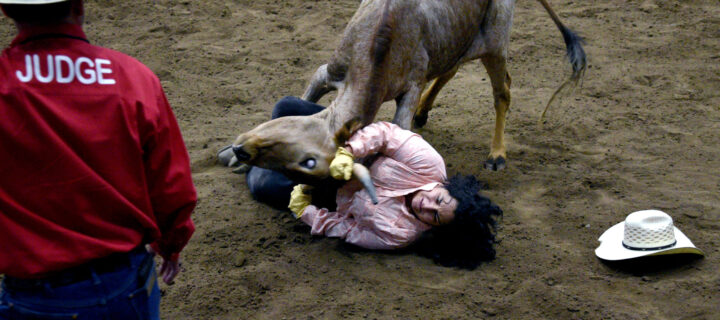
[{"x": 92, "y": 160}]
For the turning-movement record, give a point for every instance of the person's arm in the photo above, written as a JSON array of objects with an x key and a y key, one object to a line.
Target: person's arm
[
  {"x": 378, "y": 236},
  {"x": 172, "y": 193},
  {"x": 404, "y": 146},
  {"x": 379, "y": 137}
]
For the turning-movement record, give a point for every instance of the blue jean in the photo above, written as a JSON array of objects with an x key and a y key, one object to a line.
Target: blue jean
[{"x": 127, "y": 292}]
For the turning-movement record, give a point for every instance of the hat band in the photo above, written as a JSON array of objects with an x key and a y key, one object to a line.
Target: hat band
[{"x": 649, "y": 249}]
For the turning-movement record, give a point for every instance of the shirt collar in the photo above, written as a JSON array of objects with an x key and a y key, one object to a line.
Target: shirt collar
[{"x": 62, "y": 30}]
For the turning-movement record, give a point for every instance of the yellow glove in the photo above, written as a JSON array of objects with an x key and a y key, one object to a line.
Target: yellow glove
[
  {"x": 299, "y": 199},
  {"x": 341, "y": 167}
]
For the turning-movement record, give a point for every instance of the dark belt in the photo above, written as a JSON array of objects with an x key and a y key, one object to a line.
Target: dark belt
[{"x": 113, "y": 262}]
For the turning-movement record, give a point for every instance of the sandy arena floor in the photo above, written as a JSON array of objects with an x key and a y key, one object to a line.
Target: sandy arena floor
[{"x": 641, "y": 133}]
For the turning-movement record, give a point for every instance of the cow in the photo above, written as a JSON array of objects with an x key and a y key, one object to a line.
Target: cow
[{"x": 396, "y": 50}]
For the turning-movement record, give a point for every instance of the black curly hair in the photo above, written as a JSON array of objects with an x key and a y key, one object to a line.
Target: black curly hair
[{"x": 468, "y": 240}]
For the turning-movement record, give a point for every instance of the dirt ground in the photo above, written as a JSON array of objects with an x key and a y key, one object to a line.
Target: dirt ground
[{"x": 641, "y": 133}]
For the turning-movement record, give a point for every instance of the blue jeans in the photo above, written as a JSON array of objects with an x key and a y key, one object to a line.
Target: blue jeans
[{"x": 128, "y": 291}]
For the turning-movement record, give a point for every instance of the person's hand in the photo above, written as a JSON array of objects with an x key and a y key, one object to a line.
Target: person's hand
[
  {"x": 169, "y": 270},
  {"x": 341, "y": 167},
  {"x": 299, "y": 199}
]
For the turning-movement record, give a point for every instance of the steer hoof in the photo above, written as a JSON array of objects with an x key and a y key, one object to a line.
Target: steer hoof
[
  {"x": 496, "y": 164},
  {"x": 420, "y": 121}
]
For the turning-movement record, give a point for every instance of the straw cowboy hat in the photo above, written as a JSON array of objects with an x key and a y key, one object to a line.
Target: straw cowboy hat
[
  {"x": 644, "y": 233},
  {"x": 29, "y": 1}
]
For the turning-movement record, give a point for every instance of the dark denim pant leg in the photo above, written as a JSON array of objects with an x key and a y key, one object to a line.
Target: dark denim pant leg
[
  {"x": 273, "y": 187},
  {"x": 3, "y": 309},
  {"x": 270, "y": 187},
  {"x": 294, "y": 106},
  {"x": 131, "y": 292}
]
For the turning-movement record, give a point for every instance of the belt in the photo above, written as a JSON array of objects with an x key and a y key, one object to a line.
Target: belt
[{"x": 113, "y": 262}]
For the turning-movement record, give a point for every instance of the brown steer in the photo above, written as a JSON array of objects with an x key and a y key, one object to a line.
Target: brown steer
[{"x": 393, "y": 50}]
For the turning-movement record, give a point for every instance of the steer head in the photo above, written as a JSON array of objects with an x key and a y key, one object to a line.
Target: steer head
[{"x": 301, "y": 147}]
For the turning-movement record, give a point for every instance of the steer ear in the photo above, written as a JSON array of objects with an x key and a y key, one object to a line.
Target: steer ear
[{"x": 347, "y": 130}]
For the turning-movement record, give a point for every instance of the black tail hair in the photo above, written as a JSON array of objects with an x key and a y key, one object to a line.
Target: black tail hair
[{"x": 575, "y": 54}]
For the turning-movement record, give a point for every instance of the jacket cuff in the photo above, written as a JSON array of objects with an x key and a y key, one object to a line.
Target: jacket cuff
[
  {"x": 308, "y": 215},
  {"x": 167, "y": 256}
]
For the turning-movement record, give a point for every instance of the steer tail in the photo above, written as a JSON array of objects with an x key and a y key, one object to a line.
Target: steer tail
[{"x": 575, "y": 54}]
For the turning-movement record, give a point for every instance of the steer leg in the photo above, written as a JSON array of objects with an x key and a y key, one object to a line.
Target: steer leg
[
  {"x": 428, "y": 97},
  {"x": 500, "y": 80},
  {"x": 406, "y": 105},
  {"x": 319, "y": 85}
]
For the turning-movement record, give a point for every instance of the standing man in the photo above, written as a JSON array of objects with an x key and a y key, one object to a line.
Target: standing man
[{"x": 93, "y": 168}]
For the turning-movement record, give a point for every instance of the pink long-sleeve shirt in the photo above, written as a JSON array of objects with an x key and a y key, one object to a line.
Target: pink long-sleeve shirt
[{"x": 407, "y": 164}]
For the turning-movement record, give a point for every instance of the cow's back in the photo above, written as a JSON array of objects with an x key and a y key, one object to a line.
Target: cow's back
[{"x": 434, "y": 33}]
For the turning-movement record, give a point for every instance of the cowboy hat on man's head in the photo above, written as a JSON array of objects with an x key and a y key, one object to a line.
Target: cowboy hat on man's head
[{"x": 29, "y": 1}]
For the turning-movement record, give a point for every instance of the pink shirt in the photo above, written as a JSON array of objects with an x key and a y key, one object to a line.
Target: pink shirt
[{"x": 408, "y": 164}]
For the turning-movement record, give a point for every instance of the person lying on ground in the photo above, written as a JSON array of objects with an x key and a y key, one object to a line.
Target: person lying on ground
[{"x": 415, "y": 196}]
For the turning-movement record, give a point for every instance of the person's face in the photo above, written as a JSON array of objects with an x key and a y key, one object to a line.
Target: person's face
[{"x": 434, "y": 207}]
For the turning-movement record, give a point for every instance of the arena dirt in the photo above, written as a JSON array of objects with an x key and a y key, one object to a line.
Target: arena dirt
[{"x": 641, "y": 132}]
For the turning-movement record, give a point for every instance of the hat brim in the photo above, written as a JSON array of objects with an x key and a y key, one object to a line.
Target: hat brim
[
  {"x": 611, "y": 247},
  {"x": 29, "y": 1}
]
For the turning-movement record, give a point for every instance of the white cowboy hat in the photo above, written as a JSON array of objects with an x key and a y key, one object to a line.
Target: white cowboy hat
[
  {"x": 29, "y": 1},
  {"x": 644, "y": 233}
]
